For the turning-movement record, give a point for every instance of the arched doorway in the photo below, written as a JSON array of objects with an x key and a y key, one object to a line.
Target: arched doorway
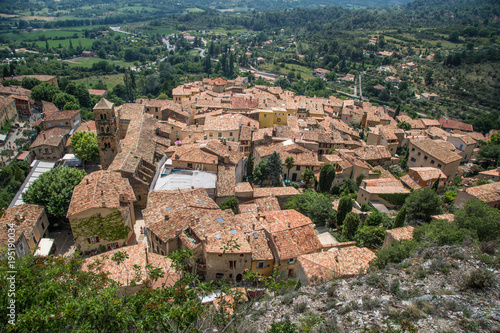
[{"x": 239, "y": 277}]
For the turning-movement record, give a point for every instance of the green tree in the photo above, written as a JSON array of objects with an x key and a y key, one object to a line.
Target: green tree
[
  {"x": 230, "y": 203},
  {"x": 71, "y": 106},
  {"x": 316, "y": 206},
  {"x": 345, "y": 207},
  {"x": 61, "y": 99},
  {"x": 404, "y": 125},
  {"x": 260, "y": 173},
  {"x": 370, "y": 236},
  {"x": 308, "y": 177},
  {"x": 350, "y": 225},
  {"x": 30, "y": 82},
  {"x": 478, "y": 216},
  {"x": 435, "y": 185},
  {"x": 44, "y": 92},
  {"x": 274, "y": 167},
  {"x": 289, "y": 163},
  {"x": 400, "y": 219},
  {"x": 326, "y": 177},
  {"x": 54, "y": 189},
  {"x": 423, "y": 203},
  {"x": 84, "y": 145}
]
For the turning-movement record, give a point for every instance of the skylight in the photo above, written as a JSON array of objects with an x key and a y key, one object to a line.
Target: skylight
[
  {"x": 217, "y": 236},
  {"x": 255, "y": 235},
  {"x": 233, "y": 231},
  {"x": 220, "y": 219},
  {"x": 168, "y": 208}
]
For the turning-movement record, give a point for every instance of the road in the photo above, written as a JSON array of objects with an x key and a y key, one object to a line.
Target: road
[
  {"x": 259, "y": 72},
  {"x": 117, "y": 29}
]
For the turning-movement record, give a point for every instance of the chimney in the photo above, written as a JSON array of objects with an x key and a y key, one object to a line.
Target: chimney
[
  {"x": 166, "y": 218},
  {"x": 146, "y": 252},
  {"x": 102, "y": 192},
  {"x": 44, "y": 137},
  {"x": 86, "y": 181},
  {"x": 17, "y": 217},
  {"x": 103, "y": 205}
]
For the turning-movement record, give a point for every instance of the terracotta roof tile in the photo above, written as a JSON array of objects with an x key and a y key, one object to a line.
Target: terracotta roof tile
[
  {"x": 123, "y": 272},
  {"x": 404, "y": 233},
  {"x": 24, "y": 218},
  {"x": 337, "y": 262},
  {"x": 101, "y": 189}
]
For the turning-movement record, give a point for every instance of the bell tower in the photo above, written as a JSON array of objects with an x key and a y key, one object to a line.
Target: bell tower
[{"x": 106, "y": 124}]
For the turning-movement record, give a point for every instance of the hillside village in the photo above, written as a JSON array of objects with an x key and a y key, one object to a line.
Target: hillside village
[
  {"x": 176, "y": 160},
  {"x": 167, "y": 166}
]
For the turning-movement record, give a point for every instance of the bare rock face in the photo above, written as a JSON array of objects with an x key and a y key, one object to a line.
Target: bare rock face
[{"x": 440, "y": 289}]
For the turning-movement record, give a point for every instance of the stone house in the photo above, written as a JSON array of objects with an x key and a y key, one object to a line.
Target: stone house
[
  {"x": 434, "y": 153},
  {"x": 69, "y": 118},
  {"x": 397, "y": 235},
  {"x": 427, "y": 176},
  {"x": 27, "y": 225},
  {"x": 465, "y": 144},
  {"x": 101, "y": 212},
  {"x": 489, "y": 193},
  {"x": 8, "y": 110},
  {"x": 50, "y": 144}
]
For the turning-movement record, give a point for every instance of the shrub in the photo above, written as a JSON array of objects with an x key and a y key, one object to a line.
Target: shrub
[
  {"x": 370, "y": 236},
  {"x": 285, "y": 326},
  {"x": 479, "y": 279},
  {"x": 300, "y": 307},
  {"x": 395, "y": 253},
  {"x": 478, "y": 216},
  {"x": 442, "y": 233}
]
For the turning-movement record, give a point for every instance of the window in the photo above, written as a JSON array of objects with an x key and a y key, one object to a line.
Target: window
[
  {"x": 219, "y": 275},
  {"x": 190, "y": 165},
  {"x": 419, "y": 153},
  {"x": 232, "y": 263},
  {"x": 210, "y": 134},
  {"x": 93, "y": 240},
  {"x": 425, "y": 157},
  {"x": 46, "y": 150},
  {"x": 265, "y": 115},
  {"x": 413, "y": 149},
  {"x": 219, "y": 135},
  {"x": 292, "y": 261},
  {"x": 278, "y": 120},
  {"x": 439, "y": 165},
  {"x": 53, "y": 150},
  {"x": 297, "y": 167},
  {"x": 413, "y": 159},
  {"x": 432, "y": 162},
  {"x": 261, "y": 265},
  {"x": 230, "y": 133}
]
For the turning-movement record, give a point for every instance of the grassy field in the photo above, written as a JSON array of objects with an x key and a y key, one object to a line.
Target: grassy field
[
  {"x": 109, "y": 80},
  {"x": 135, "y": 9},
  {"x": 86, "y": 43},
  {"x": 88, "y": 62},
  {"x": 304, "y": 71}
]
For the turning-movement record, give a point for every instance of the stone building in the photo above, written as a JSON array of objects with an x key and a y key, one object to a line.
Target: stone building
[
  {"x": 101, "y": 212},
  {"x": 107, "y": 131},
  {"x": 29, "y": 224}
]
